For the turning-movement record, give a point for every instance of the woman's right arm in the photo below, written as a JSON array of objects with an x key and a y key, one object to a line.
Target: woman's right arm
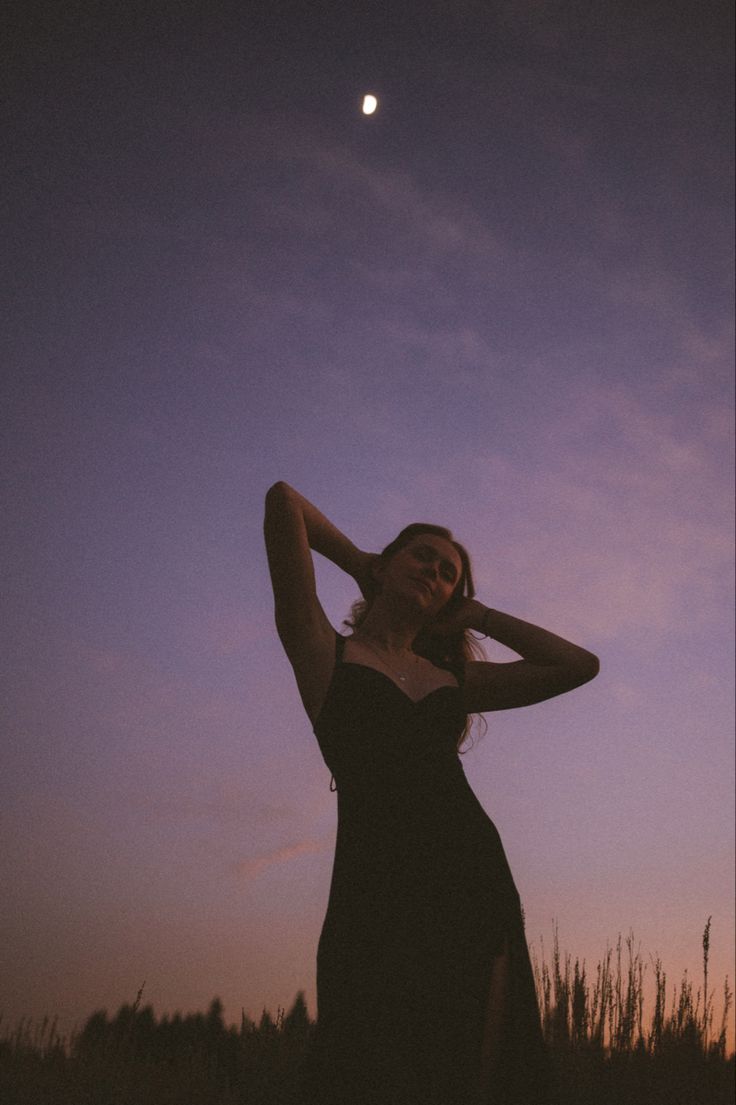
[{"x": 292, "y": 528}]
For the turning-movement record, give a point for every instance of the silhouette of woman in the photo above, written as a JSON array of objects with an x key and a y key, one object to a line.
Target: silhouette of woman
[{"x": 425, "y": 992}]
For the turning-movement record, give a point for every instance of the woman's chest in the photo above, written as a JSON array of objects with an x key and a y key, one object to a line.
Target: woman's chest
[{"x": 367, "y": 717}]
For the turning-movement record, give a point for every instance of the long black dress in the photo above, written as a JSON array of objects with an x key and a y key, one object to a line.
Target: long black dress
[{"x": 421, "y": 901}]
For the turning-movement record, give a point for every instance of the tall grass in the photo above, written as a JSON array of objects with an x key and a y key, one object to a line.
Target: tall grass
[
  {"x": 604, "y": 1050},
  {"x": 608, "y": 1014}
]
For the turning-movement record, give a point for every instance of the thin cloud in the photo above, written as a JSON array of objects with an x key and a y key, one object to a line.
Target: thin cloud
[
  {"x": 329, "y": 173},
  {"x": 709, "y": 348},
  {"x": 443, "y": 225},
  {"x": 256, "y": 865},
  {"x": 461, "y": 347},
  {"x": 620, "y": 521}
]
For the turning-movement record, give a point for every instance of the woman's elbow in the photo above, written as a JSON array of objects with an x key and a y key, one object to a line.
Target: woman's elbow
[
  {"x": 276, "y": 490},
  {"x": 278, "y": 495},
  {"x": 589, "y": 666}
]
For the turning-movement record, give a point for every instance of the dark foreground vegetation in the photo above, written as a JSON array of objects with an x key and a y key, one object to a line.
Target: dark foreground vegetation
[{"x": 603, "y": 1049}]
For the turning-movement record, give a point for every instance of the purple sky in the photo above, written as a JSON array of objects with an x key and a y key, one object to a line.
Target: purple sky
[{"x": 503, "y": 304}]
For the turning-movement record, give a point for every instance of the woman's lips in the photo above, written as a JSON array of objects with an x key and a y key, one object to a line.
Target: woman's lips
[{"x": 423, "y": 583}]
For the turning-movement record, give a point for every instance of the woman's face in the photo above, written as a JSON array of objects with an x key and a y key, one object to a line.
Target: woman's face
[{"x": 424, "y": 572}]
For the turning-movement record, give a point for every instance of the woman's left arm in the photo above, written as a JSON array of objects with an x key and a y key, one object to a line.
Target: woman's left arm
[{"x": 550, "y": 665}]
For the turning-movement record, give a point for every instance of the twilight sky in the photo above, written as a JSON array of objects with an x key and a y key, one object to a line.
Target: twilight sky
[{"x": 503, "y": 304}]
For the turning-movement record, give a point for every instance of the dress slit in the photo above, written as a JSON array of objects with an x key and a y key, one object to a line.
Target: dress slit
[
  {"x": 512, "y": 1064},
  {"x": 496, "y": 1012}
]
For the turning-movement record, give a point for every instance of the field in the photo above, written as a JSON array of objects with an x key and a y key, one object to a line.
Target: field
[{"x": 604, "y": 1050}]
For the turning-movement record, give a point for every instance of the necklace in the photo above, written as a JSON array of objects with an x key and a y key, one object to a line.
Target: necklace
[{"x": 390, "y": 667}]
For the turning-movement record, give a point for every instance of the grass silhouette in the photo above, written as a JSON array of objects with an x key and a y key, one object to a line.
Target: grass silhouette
[{"x": 603, "y": 1049}]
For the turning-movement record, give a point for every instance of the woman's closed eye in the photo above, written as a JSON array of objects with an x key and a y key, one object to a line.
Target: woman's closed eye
[{"x": 447, "y": 570}]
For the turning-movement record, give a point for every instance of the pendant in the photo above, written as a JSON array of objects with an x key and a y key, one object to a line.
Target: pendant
[{"x": 402, "y": 678}]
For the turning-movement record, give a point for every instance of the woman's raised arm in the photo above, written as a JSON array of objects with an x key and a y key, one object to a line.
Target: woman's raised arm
[
  {"x": 292, "y": 528},
  {"x": 550, "y": 665}
]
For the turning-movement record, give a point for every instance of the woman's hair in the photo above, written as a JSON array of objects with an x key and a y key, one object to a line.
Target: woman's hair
[{"x": 448, "y": 649}]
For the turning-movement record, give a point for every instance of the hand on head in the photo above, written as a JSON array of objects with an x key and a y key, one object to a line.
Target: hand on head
[{"x": 455, "y": 617}]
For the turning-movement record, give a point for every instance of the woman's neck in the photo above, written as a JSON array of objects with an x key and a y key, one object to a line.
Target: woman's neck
[{"x": 388, "y": 629}]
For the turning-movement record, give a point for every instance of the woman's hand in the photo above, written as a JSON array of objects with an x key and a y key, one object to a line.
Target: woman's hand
[{"x": 457, "y": 616}]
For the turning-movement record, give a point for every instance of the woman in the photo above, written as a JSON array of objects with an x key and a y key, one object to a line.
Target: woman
[{"x": 425, "y": 991}]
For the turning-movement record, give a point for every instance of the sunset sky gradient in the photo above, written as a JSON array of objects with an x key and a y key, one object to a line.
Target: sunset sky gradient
[{"x": 503, "y": 303}]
